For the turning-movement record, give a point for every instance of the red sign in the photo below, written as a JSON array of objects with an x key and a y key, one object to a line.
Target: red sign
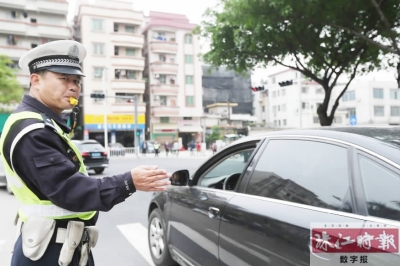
[{"x": 355, "y": 240}]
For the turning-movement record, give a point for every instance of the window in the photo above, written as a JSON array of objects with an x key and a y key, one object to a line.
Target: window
[
  {"x": 351, "y": 112},
  {"x": 164, "y": 119},
  {"x": 382, "y": 194},
  {"x": 13, "y": 14},
  {"x": 263, "y": 109},
  {"x": 116, "y": 50},
  {"x": 98, "y": 48},
  {"x": 187, "y": 118},
  {"x": 189, "y": 59},
  {"x": 97, "y": 24},
  {"x": 97, "y": 72},
  {"x": 189, "y": 80},
  {"x": 131, "y": 74},
  {"x": 337, "y": 119},
  {"x": 305, "y": 172},
  {"x": 283, "y": 92},
  {"x": 11, "y": 39},
  {"x": 316, "y": 120},
  {"x": 349, "y": 96},
  {"x": 123, "y": 100},
  {"x": 33, "y": 20},
  {"x": 188, "y": 39},
  {"x": 304, "y": 105},
  {"x": 130, "y": 51},
  {"x": 125, "y": 74},
  {"x": 163, "y": 100},
  {"x": 395, "y": 94},
  {"x": 163, "y": 79},
  {"x": 162, "y": 57},
  {"x": 33, "y": 45},
  {"x": 98, "y": 99},
  {"x": 234, "y": 164},
  {"x": 283, "y": 108},
  {"x": 130, "y": 28},
  {"x": 284, "y": 122},
  {"x": 378, "y": 93},
  {"x": 394, "y": 111},
  {"x": 189, "y": 100},
  {"x": 379, "y": 111},
  {"x": 318, "y": 91},
  {"x": 304, "y": 89}
]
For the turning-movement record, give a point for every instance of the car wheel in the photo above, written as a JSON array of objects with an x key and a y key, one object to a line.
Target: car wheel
[
  {"x": 99, "y": 170},
  {"x": 157, "y": 241},
  {"x": 9, "y": 189}
]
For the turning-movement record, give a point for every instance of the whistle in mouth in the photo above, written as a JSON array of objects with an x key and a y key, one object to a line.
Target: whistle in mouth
[{"x": 73, "y": 101}]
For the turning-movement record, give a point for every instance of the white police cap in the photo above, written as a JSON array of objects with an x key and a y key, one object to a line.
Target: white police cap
[{"x": 58, "y": 56}]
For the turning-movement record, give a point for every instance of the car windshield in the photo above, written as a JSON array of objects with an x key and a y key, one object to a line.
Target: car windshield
[{"x": 90, "y": 147}]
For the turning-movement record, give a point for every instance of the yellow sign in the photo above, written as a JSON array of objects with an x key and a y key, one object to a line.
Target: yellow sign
[{"x": 114, "y": 119}]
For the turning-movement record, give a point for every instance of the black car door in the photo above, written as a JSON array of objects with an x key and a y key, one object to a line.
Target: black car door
[
  {"x": 295, "y": 183},
  {"x": 196, "y": 210}
]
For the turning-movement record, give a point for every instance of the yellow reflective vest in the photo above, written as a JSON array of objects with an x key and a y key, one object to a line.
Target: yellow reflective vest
[{"x": 30, "y": 204}]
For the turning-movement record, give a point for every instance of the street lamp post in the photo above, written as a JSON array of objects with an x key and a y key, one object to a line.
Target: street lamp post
[
  {"x": 135, "y": 98},
  {"x": 105, "y": 111}
]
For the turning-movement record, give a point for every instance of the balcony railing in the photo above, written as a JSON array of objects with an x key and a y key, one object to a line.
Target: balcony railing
[
  {"x": 127, "y": 108},
  {"x": 164, "y": 47},
  {"x": 164, "y": 68},
  {"x": 119, "y": 37},
  {"x": 35, "y": 30},
  {"x": 13, "y": 51},
  {"x": 55, "y": 7},
  {"x": 137, "y": 62},
  {"x": 131, "y": 85},
  {"x": 165, "y": 89},
  {"x": 161, "y": 111}
]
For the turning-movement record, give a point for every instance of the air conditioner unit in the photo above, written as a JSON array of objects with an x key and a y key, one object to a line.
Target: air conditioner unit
[{"x": 156, "y": 76}]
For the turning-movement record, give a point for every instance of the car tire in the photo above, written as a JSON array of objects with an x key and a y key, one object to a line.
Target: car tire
[
  {"x": 158, "y": 245},
  {"x": 99, "y": 170},
  {"x": 9, "y": 189}
]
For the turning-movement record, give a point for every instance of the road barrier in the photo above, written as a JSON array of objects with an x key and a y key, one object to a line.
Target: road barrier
[{"x": 121, "y": 152}]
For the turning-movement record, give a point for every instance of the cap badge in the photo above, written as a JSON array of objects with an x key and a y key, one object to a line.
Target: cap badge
[{"x": 73, "y": 51}]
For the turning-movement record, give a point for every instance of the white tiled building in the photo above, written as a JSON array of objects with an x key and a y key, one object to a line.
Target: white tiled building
[
  {"x": 295, "y": 105},
  {"x": 111, "y": 32},
  {"x": 371, "y": 102},
  {"x": 26, "y": 24},
  {"x": 173, "y": 72}
]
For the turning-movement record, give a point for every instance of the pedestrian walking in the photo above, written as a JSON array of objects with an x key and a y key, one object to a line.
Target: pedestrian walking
[
  {"x": 59, "y": 202},
  {"x": 166, "y": 147},
  {"x": 156, "y": 148},
  {"x": 144, "y": 148}
]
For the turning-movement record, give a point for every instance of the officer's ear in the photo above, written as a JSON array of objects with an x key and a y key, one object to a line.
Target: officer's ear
[{"x": 34, "y": 79}]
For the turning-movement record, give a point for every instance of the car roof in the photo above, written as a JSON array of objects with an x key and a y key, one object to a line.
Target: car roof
[
  {"x": 88, "y": 141},
  {"x": 367, "y": 138}
]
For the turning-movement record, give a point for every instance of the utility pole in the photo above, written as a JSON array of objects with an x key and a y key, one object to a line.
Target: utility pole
[
  {"x": 229, "y": 114},
  {"x": 136, "y": 124},
  {"x": 105, "y": 112}
]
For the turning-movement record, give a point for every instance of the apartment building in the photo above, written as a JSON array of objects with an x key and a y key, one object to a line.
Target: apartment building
[
  {"x": 292, "y": 101},
  {"x": 111, "y": 32},
  {"x": 370, "y": 102},
  {"x": 25, "y": 24},
  {"x": 173, "y": 78}
]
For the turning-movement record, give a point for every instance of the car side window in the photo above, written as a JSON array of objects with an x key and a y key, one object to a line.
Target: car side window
[
  {"x": 234, "y": 164},
  {"x": 306, "y": 172},
  {"x": 382, "y": 189}
]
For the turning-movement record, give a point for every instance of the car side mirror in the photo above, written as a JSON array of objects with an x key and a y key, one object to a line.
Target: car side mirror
[{"x": 180, "y": 178}]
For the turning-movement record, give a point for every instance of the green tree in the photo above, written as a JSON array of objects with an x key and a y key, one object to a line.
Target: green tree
[
  {"x": 245, "y": 34},
  {"x": 10, "y": 89},
  {"x": 215, "y": 135}
]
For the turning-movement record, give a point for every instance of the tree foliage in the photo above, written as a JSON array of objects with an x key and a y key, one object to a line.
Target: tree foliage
[
  {"x": 216, "y": 134},
  {"x": 245, "y": 34},
  {"x": 10, "y": 89}
]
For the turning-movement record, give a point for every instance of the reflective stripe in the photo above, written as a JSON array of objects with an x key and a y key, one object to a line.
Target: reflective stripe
[
  {"x": 19, "y": 136},
  {"x": 46, "y": 211}
]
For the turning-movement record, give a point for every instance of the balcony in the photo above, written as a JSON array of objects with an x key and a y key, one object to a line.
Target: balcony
[
  {"x": 127, "y": 38},
  {"x": 129, "y": 108},
  {"x": 164, "y": 68},
  {"x": 13, "y": 51},
  {"x": 162, "y": 111},
  {"x": 165, "y": 89},
  {"x": 34, "y": 30},
  {"x": 13, "y": 4},
  {"x": 164, "y": 47},
  {"x": 55, "y": 7},
  {"x": 128, "y": 61},
  {"x": 128, "y": 85}
]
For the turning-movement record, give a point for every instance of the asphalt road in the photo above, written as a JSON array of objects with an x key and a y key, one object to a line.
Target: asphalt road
[{"x": 123, "y": 230}]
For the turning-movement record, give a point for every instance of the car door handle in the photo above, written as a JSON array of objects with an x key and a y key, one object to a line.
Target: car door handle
[{"x": 213, "y": 210}]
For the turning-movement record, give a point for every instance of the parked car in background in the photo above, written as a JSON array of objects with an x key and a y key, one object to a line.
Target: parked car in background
[
  {"x": 116, "y": 149},
  {"x": 150, "y": 146},
  {"x": 254, "y": 202},
  {"x": 94, "y": 155}
]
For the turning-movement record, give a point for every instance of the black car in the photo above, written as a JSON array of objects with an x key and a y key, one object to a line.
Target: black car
[
  {"x": 255, "y": 202},
  {"x": 94, "y": 155}
]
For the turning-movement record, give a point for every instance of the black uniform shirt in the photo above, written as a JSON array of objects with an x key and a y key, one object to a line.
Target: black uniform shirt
[{"x": 40, "y": 158}]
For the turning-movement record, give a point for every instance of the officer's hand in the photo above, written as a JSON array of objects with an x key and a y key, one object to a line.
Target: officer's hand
[{"x": 150, "y": 178}]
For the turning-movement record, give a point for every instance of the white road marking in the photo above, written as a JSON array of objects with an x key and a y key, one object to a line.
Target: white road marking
[{"x": 136, "y": 234}]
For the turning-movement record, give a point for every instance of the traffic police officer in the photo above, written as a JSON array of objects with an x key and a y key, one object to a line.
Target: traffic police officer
[{"x": 59, "y": 203}]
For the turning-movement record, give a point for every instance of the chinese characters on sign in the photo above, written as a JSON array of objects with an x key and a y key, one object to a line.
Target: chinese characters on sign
[{"x": 353, "y": 243}]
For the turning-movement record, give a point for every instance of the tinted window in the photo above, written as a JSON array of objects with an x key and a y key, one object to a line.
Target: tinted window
[
  {"x": 233, "y": 164},
  {"x": 382, "y": 189},
  {"x": 312, "y": 173},
  {"x": 90, "y": 147}
]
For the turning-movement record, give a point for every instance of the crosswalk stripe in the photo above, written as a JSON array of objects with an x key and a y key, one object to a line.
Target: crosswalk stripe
[{"x": 136, "y": 234}]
